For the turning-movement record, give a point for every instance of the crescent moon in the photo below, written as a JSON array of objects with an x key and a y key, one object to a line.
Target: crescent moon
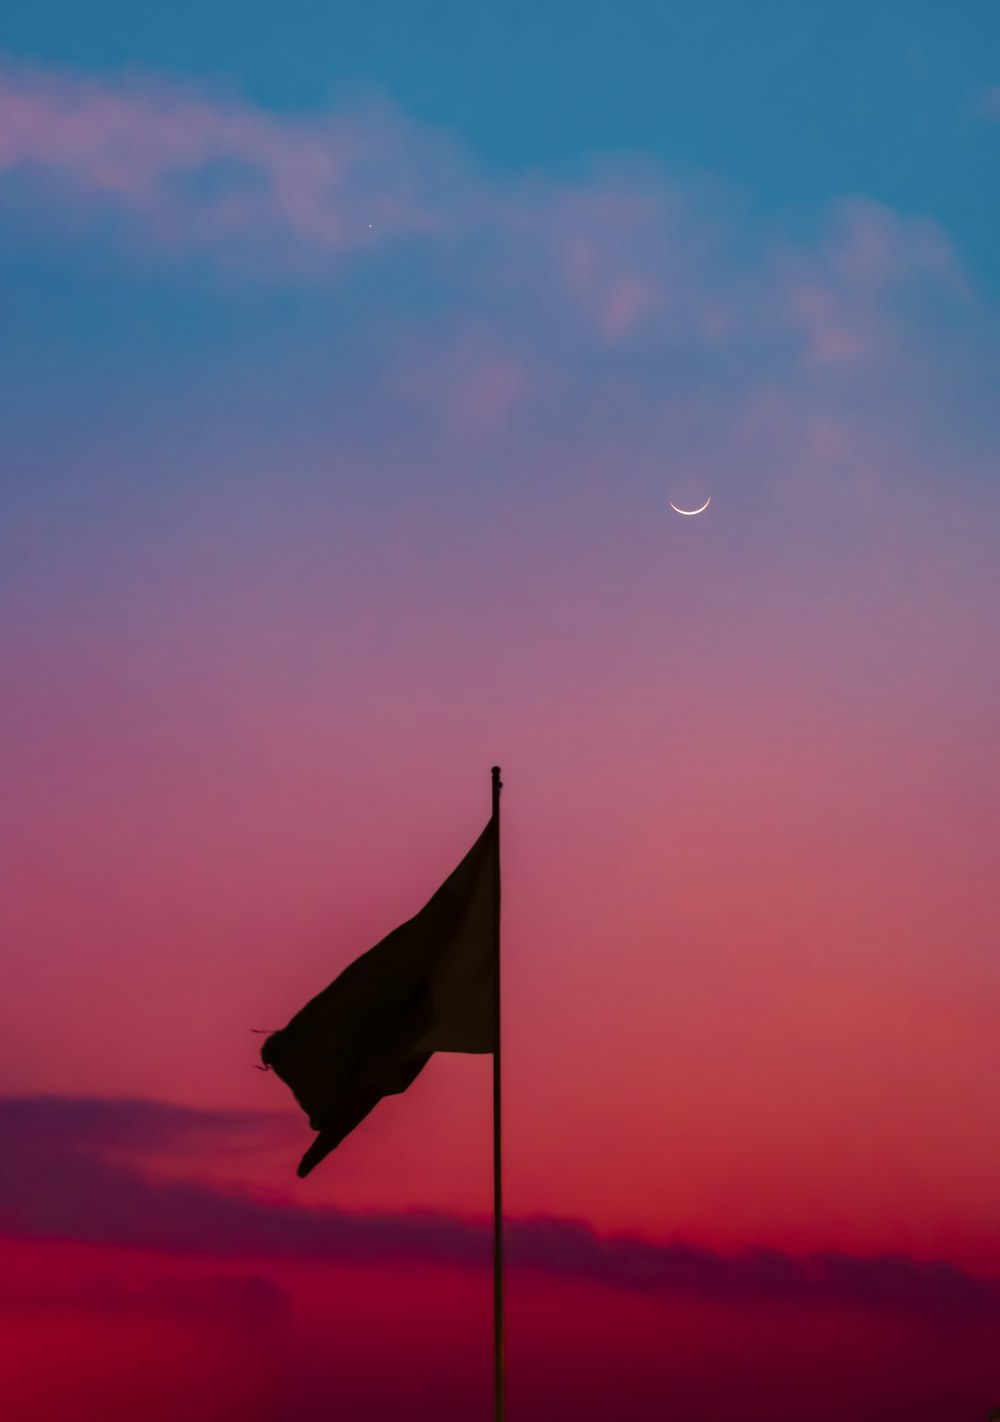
[{"x": 690, "y": 513}]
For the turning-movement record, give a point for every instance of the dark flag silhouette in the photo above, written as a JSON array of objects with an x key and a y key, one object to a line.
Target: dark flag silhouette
[{"x": 429, "y": 986}]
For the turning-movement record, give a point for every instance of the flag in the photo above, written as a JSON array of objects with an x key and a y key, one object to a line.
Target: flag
[{"x": 429, "y": 986}]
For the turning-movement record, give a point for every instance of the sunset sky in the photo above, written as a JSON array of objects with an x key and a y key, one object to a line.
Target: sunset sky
[{"x": 350, "y": 358}]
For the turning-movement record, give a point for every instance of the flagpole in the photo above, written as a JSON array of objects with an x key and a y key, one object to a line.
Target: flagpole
[{"x": 498, "y": 1366}]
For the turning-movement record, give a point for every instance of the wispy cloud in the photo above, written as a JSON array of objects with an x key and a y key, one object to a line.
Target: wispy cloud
[
  {"x": 195, "y": 170},
  {"x": 636, "y": 256},
  {"x": 62, "y": 1175},
  {"x": 989, "y": 104}
]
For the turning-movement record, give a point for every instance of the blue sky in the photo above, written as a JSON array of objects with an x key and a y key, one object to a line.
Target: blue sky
[
  {"x": 793, "y": 101},
  {"x": 784, "y": 106}
]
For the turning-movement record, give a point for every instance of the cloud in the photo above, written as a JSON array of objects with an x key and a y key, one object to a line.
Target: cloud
[
  {"x": 58, "y": 1180},
  {"x": 468, "y": 381},
  {"x": 244, "y": 1299},
  {"x": 184, "y": 170},
  {"x": 192, "y": 170},
  {"x": 620, "y": 256},
  {"x": 989, "y": 104},
  {"x": 95, "y": 1124}
]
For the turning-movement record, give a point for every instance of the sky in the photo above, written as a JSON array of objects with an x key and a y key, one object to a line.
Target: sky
[{"x": 350, "y": 359}]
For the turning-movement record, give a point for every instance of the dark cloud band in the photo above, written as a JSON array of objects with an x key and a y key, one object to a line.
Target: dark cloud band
[{"x": 78, "y": 1169}]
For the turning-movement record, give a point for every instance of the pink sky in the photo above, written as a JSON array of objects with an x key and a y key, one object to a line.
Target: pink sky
[{"x": 280, "y": 597}]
